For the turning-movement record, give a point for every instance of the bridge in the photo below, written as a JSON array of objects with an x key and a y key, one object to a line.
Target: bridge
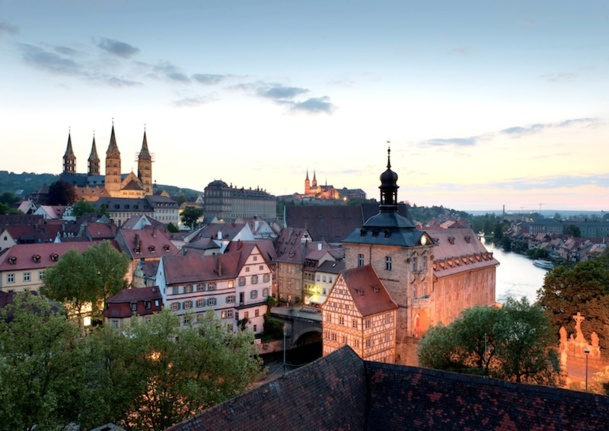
[{"x": 302, "y": 324}]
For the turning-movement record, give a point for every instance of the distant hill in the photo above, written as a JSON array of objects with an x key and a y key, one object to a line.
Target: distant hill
[{"x": 25, "y": 183}]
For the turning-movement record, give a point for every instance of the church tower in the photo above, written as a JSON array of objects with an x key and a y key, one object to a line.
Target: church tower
[
  {"x": 144, "y": 167},
  {"x": 93, "y": 160},
  {"x": 307, "y": 184},
  {"x": 314, "y": 183},
  {"x": 113, "y": 165},
  {"x": 69, "y": 159}
]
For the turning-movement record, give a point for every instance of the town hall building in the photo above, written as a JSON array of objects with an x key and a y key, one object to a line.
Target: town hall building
[{"x": 430, "y": 276}]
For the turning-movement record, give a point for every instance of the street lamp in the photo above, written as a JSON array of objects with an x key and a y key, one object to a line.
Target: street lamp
[{"x": 587, "y": 352}]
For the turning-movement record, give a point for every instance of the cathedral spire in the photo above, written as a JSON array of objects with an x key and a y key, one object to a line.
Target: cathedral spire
[
  {"x": 94, "y": 159},
  {"x": 113, "y": 147},
  {"x": 144, "y": 152},
  {"x": 69, "y": 158},
  {"x": 144, "y": 166}
]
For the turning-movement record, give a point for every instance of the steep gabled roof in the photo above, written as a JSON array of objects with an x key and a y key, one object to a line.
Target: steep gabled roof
[
  {"x": 331, "y": 223},
  {"x": 196, "y": 267},
  {"x": 367, "y": 291}
]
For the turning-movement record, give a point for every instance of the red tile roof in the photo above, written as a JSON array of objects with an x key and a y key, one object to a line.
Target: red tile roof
[
  {"x": 147, "y": 300},
  {"x": 150, "y": 242},
  {"x": 368, "y": 293},
  {"x": 33, "y": 256}
]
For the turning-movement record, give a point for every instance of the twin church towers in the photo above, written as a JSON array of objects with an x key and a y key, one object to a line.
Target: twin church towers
[{"x": 93, "y": 185}]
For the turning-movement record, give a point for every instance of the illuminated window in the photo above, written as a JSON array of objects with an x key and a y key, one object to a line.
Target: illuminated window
[{"x": 231, "y": 284}]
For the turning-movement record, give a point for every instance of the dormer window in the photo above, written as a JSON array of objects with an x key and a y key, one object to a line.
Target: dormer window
[
  {"x": 54, "y": 257},
  {"x": 151, "y": 248},
  {"x": 36, "y": 258},
  {"x": 12, "y": 260}
]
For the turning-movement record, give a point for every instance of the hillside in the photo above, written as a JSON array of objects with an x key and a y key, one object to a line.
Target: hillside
[{"x": 25, "y": 183}]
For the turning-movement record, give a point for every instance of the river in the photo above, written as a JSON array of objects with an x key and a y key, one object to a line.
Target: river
[{"x": 516, "y": 276}]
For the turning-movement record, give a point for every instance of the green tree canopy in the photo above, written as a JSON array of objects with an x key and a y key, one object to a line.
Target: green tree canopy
[
  {"x": 40, "y": 366},
  {"x": 574, "y": 230},
  {"x": 83, "y": 207},
  {"x": 158, "y": 373},
  {"x": 78, "y": 280},
  {"x": 513, "y": 343},
  {"x": 191, "y": 215},
  {"x": 583, "y": 288},
  {"x": 61, "y": 193}
]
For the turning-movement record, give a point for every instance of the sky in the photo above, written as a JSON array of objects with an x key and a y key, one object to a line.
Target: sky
[{"x": 483, "y": 104}]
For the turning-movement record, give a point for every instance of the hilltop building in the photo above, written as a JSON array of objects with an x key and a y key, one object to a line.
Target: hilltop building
[{"x": 93, "y": 185}]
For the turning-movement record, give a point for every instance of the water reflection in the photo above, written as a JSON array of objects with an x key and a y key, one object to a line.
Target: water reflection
[{"x": 516, "y": 276}]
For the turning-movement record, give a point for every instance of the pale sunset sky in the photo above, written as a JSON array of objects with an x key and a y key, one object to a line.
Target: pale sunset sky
[{"x": 485, "y": 103}]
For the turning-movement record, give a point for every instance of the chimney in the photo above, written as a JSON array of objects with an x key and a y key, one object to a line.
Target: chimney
[{"x": 219, "y": 234}]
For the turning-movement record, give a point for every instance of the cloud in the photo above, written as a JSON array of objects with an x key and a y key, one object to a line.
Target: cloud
[
  {"x": 6, "y": 28},
  {"x": 315, "y": 105},
  {"x": 519, "y": 131},
  {"x": 49, "y": 61},
  {"x": 120, "y": 49},
  {"x": 208, "y": 78},
  {"x": 279, "y": 92},
  {"x": 458, "y": 142},
  {"x": 558, "y": 77},
  {"x": 190, "y": 102},
  {"x": 554, "y": 182},
  {"x": 171, "y": 73},
  {"x": 460, "y": 51}
]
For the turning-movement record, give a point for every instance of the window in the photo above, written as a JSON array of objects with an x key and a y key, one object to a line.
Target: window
[
  {"x": 147, "y": 305},
  {"x": 265, "y": 292},
  {"x": 211, "y": 302},
  {"x": 341, "y": 320},
  {"x": 333, "y": 336},
  {"x": 254, "y": 279},
  {"x": 367, "y": 323},
  {"x": 329, "y": 318},
  {"x": 175, "y": 290},
  {"x": 10, "y": 278},
  {"x": 388, "y": 318},
  {"x": 156, "y": 303},
  {"x": 40, "y": 275},
  {"x": 246, "y": 314},
  {"x": 247, "y": 269},
  {"x": 187, "y": 305},
  {"x": 357, "y": 344},
  {"x": 255, "y": 328},
  {"x": 255, "y": 258},
  {"x": 354, "y": 323},
  {"x": 323, "y": 278},
  {"x": 253, "y": 294},
  {"x": 200, "y": 303},
  {"x": 26, "y": 276},
  {"x": 261, "y": 268},
  {"x": 231, "y": 284},
  {"x": 360, "y": 260},
  {"x": 200, "y": 287},
  {"x": 188, "y": 289},
  {"x": 241, "y": 281},
  {"x": 266, "y": 278},
  {"x": 318, "y": 277},
  {"x": 175, "y": 306},
  {"x": 415, "y": 264},
  {"x": 388, "y": 263},
  {"x": 212, "y": 286},
  {"x": 368, "y": 343},
  {"x": 226, "y": 314},
  {"x": 115, "y": 324},
  {"x": 344, "y": 339},
  {"x": 133, "y": 307},
  {"x": 230, "y": 299},
  {"x": 330, "y": 279},
  {"x": 257, "y": 313}
]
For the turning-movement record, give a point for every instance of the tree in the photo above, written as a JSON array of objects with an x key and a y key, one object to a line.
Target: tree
[
  {"x": 512, "y": 343},
  {"x": 583, "y": 288},
  {"x": 61, "y": 193},
  {"x": 83, "y": 207},
  {"x": 191, "y": 215},
  {"x": 8, "y": 198},
  {"x": 159, "y": 373},
  {"x": 172, "y": 228},
  {"x": 41, "y": 366},
  {"x": 79, "y": 280},
  {"x": 574, "y": 230},
  {"x": 7, "y": 209}
]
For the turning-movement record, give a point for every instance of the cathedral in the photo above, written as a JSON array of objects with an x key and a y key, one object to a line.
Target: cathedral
[{"x": 93, "y": 185}]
